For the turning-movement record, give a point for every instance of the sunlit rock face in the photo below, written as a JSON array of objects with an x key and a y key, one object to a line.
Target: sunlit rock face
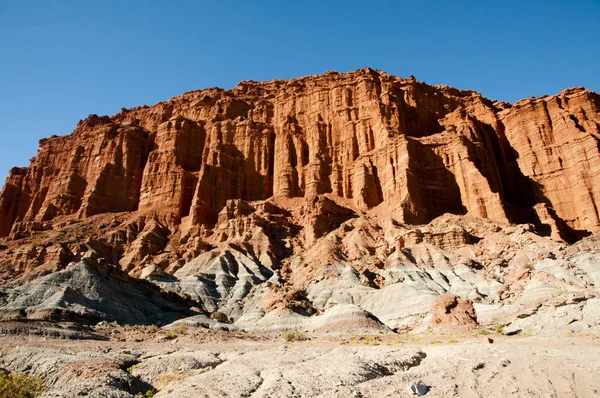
[
  {"x": 360, "y": 189},
  {"x": 365, "y": 136}
]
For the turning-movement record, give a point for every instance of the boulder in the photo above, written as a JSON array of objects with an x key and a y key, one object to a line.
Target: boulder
[{"x": 449, "y": 309}]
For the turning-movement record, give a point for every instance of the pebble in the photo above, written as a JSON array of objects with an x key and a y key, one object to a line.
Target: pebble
[{"x": 418, "y": 387}]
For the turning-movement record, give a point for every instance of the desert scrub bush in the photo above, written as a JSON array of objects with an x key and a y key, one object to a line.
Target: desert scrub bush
[
  {"x": 499, "y": 329},
  {"x": 150, "y": 393},
  {"x": 435, "y": 342},
  {"x": 180, "y": 328},
  {"x": 294, "y": 336},
  {"x": 167, "y": 378},
  {"x": 20, "y": 385},
  {"x": 528, "y": 266},
  {"x": 370, "y": 340},
  {"x": 164, "y": 379},
  {"x": 573, "y": 334},
  {"x": 170, "y": 336},
  {"x": 452, "y": 341},
  {"x": 220, "y": 317},
  {"x": 152, "y": 328},
  {"x": 133, "y": 367}
]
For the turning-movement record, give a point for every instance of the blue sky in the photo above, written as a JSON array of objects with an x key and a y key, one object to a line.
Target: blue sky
[{"x": 62, "y": 60}]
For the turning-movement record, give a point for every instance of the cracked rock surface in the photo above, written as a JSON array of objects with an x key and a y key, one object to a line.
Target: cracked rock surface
[{"x": 216, "y": 364}]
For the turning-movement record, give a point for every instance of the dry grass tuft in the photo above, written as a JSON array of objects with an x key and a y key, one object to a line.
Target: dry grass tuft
[
  {"x": 294, "y": 336},
  {"x": 20, "y": 385}
]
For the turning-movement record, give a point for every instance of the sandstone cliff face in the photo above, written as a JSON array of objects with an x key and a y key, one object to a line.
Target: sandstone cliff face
[
  {"x": 557, "y": 140},
  {"x": 289, "y": 179},
  {"x": 366, "y": 137},
  {"x": 97, "y": 169}
]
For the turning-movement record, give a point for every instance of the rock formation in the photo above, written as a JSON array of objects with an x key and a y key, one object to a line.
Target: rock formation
[
  {"x": 452, "y": 310},
  {"x": 366, "y": 136},
  {"x": 89, "y": 292},
  {"x": 361, "y": 189},
  {"x": 556, "y": 143}
]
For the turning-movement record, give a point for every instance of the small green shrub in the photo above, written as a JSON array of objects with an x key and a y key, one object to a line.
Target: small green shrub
[
  {"x": 170, "y": 336},
  {"x": 371, "y": 340},
  {"x": 133, "y": 367},
  {"x": 150, "y": 393},
  {"x": 499, "y": 329},
  {"x": 20, "y": 385},
  {"x": 294, "y": 336}
]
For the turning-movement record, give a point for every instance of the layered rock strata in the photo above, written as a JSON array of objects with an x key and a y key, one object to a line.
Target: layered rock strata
[
  {"x": 285, "y": 199},
  {"x": 367, "y": 137}
]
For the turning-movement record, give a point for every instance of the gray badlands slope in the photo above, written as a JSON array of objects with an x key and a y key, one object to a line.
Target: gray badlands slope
[
  {"x": 514, "y": 277},
  {"x": 88, "y": 292}
]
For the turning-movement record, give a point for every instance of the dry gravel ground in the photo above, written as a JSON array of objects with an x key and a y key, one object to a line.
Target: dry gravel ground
[{"x": 218, "y": 364}]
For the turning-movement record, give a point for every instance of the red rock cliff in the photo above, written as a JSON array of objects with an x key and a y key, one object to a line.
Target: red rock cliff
[{"x": 366, "y": 137}]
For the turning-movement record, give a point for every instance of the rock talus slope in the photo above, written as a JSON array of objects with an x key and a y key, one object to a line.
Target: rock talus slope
[{"x": 274, "y": 202}]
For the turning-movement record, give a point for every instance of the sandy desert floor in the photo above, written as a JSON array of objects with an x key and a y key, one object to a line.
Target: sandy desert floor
[{"x": 196, "y": 363}]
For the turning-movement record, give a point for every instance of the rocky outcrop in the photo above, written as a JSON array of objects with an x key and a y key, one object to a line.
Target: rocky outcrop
[
  {"x": 360, "y": 189},
  {"x": 322, "y": 216},
  {"x": 556, "y": 142},
  {"x": 366, "y": 137},
  {"x": 448, "y": 309},
  {"x": 69, "y": 374},
  {"x": 89, "y": 292},
  {"x": 96, "y": 169}
]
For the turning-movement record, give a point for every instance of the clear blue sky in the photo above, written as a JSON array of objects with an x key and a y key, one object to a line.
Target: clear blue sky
[{"x": 62, "y": 60}]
